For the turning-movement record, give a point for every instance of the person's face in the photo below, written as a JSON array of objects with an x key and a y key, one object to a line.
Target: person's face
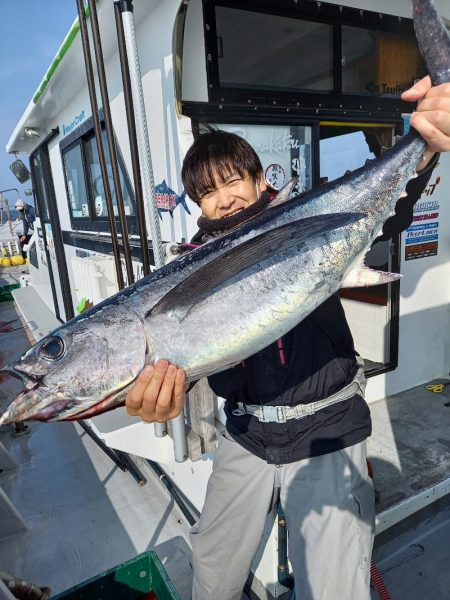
[
  {"x": 231, "y": 196},
  {"x": 20, "y": 208}
]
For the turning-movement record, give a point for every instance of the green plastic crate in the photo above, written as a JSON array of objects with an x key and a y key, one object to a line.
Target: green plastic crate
[
  {"x": 141, "y": 578},
  {"x": 5, "y": 292}
]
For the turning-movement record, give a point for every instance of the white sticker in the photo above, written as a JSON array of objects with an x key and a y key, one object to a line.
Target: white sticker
[
  {"x": 275, "y": 176},
  {"x": 98, "y": 206}
]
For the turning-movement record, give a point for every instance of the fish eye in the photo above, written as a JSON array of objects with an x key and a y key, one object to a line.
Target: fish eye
[{"x": 53, "y": 348}]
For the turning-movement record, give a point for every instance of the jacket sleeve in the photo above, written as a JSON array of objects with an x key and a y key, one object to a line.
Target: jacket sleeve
[
  {"x": 26, "y": 225},
  {"x": 32, "y": 216},
  {"x": 28, "y": 219},
  {"x": 403, "y": 216}
]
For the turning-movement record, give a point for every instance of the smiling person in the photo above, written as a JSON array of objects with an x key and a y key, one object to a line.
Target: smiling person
[
  {"x": 223, "y": 174},
  {"x": 316, "y": 465}
]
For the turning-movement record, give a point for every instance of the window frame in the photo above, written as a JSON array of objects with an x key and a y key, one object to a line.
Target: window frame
[
  {"x": 304, "y": 101},
  {"x": 232, "y": 118},
  {"x": 80, "y": 137}
]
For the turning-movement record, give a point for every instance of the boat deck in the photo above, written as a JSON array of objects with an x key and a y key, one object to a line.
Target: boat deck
[
  {"x": 413, "y": 557},
  {"x": 11, "y": 275},
  {"x": 410, "y": 450},
  {"x": 85, "y": 515},
  {"x": 410, "y": 453}
]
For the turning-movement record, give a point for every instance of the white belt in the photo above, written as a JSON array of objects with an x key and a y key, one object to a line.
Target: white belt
[{"x": 281, "y": 414}]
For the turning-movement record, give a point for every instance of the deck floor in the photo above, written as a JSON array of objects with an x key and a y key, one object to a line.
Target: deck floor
[
  {"x": 410, "y": 452},
  {"x": 414, "y": 563},
  {"x": 84, "y": 514},
  {"x": 10, "y": 275},
  {"x": 410, "y": 444}
]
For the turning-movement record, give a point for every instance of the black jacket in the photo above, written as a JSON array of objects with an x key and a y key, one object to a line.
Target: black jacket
[
  {"x": 311, "y": 362},
  {"x": 28, "y": 217}
]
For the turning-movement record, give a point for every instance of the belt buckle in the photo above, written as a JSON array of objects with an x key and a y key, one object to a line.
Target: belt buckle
[
  {"x": 268, "y": 414},
  {"x": 273, "y": 414}
]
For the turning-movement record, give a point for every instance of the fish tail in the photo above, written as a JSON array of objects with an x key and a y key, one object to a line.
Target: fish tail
[
  {"x": 433, "y": 40},
  {"x": 184, "y": 203}
]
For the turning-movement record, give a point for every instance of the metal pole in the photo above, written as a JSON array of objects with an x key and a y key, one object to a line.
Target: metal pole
[
  {"x": 121, "y": 459},
  {"x": 134, "y": 153},
  {"x": 143, "y": 145},
  {"x": 101, "y": 444},
  {"x": 110, "y": 136},
  {"x": 178, "y": 427},
  {"x": 142, "y": 133},
  {"x": 178, "y": 430},
  {"x": 98, "y": 137}
]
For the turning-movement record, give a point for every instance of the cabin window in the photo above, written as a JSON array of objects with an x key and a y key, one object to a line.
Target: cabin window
[
  {"x": 284, "y": 151},
  {"x": 40, "y": 185},
  {"x": 96, "y": 180},
  {"x": 32, "y": 254},
  {"x": 264, "y": 51},
  {"x": 84, "y": 182},
  {"x": 369, "y": 310},
  {"x": 345, "y": 151},
  {"x": 76, "y": 183},
  {"x": 378, "y": 62},
  {"x": 308, "y": 56}
]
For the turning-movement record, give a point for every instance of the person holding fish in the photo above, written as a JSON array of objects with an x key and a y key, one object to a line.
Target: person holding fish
[{"x": 315, "y": 464}]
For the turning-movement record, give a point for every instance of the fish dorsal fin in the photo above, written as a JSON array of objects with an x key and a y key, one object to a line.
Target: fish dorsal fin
[
  {"x": 247, "y": 254},
  {"x": 362, "y": 276},
  {"x": 284, "y": 194}
]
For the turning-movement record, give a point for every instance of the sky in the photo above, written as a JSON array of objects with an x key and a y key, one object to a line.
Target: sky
[{"x": 31, "y": 32}]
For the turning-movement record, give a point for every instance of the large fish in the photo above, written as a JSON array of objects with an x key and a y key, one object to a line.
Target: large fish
[{"x": 226, "y": 300}]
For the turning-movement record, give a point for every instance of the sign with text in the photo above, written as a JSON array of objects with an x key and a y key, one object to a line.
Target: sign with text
[{"x": 422, "y": 236}]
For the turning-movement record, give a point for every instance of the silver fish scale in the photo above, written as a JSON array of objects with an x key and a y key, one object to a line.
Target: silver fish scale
[{"x": 241, "y": 323}]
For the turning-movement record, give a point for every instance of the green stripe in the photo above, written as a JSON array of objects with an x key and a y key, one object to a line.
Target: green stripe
[{"x": 73, "y": 31}]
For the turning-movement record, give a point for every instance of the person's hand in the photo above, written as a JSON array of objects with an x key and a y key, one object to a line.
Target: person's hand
[
  {"x": 158, "y": 393},
  {"x": 431, "y": 117}
]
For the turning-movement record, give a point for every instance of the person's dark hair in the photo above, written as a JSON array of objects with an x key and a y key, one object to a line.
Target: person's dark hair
[{"x": 217, "y": 153}]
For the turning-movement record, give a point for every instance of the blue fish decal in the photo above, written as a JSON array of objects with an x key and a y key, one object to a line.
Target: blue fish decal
[{"x": 167, "y": 200}]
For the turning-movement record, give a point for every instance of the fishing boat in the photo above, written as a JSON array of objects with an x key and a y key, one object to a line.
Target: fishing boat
[{"x": 315, "y": 88}]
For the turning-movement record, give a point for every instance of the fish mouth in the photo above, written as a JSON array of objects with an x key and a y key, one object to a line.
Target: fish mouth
[
  {"x": 28, "y": 381},
  {"x": 35, "y": 403},
  {"x": 19, "y": 409}
]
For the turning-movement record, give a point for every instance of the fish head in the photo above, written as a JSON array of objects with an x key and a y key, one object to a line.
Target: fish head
[{"x": 83, "y": 366}]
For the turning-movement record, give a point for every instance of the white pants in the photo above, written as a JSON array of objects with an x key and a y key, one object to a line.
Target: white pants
[{"x": 329, "y": 506}]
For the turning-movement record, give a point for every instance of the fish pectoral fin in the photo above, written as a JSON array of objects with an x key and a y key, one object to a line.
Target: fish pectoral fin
[
  {"x": 362, "y": 276},
  {"x": 243, "y": 255},
  {"x": 284, "y": 194}
]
